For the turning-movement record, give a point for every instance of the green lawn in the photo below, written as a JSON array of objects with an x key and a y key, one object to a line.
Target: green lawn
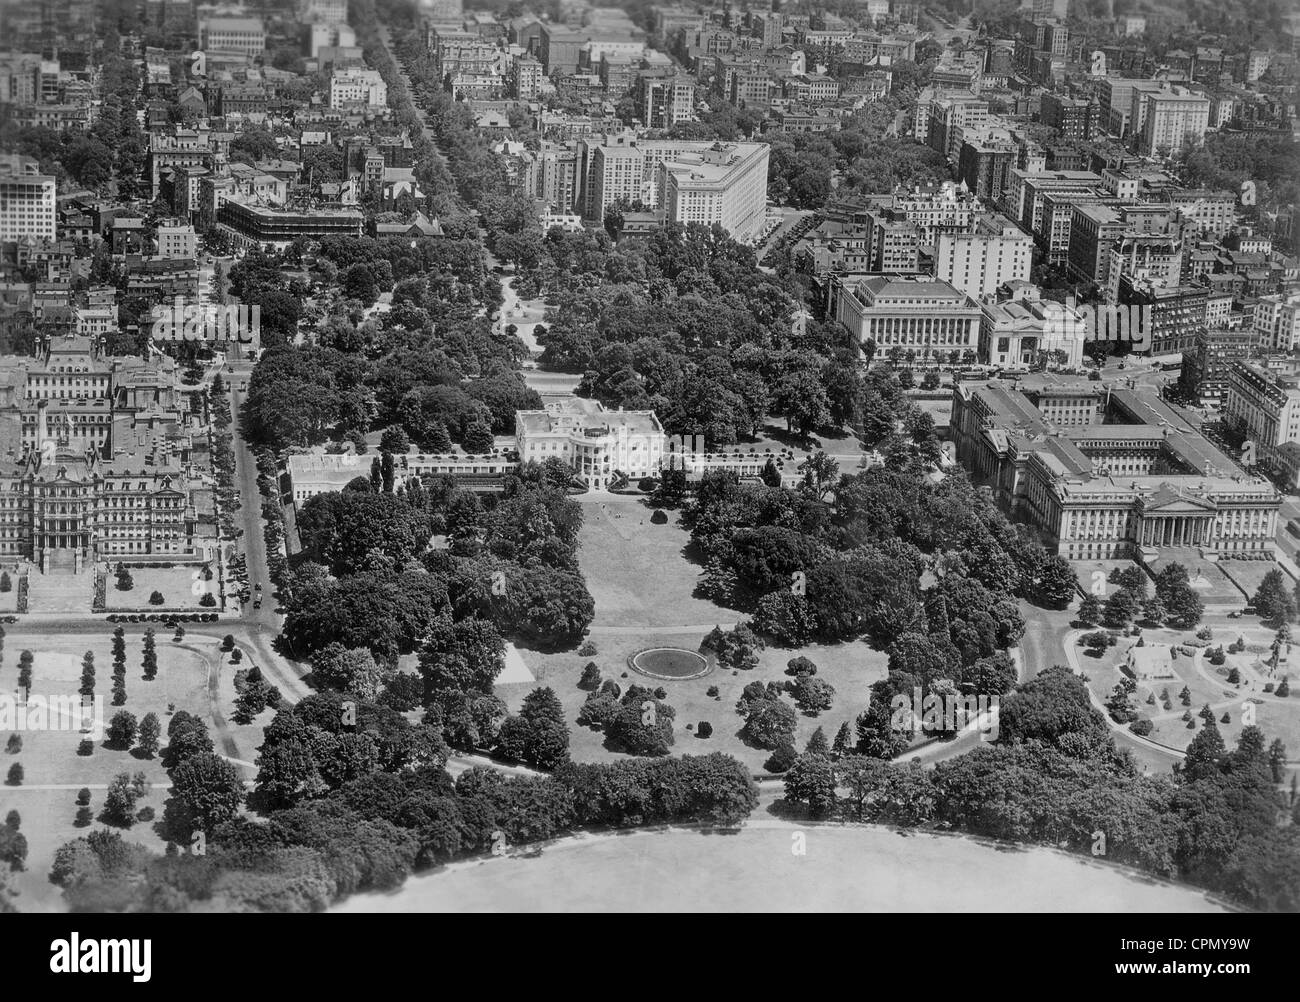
[
  {"x": 850, "y": 668},
  {"x": 638, "y": 572},
  {"x": 50, "y": 757},
  {"x": 1277, "y": 717}
]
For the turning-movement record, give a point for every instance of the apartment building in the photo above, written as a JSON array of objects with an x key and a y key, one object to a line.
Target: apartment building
[
  {"x": 978, "y": 263},
  {"x": 1173, "y": 121},
  {"x": 354, "y": 86},
  {"x": 27, "y": 202},
  {"x": 725, "y": 183},
  {"x": 1277, "y": 322},
  {"x": 1263, "y": 404},
  {"x": 246, "y": 35}
]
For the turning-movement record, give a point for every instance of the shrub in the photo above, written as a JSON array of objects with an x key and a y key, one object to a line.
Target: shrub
[
  {"x": 84, "y": 817},
  {"x": 6, "y": 583},
  {"x": 1141, "y": 727},
  {"x": 1283, "y": 688},
  {"x": 599, "y": 710},
  {"x": 590, "y": 676},
  {"x": 812, "y": 695},
  {"x": 145, "y": 814},
  {"x": 659, "y": 517},
  {"x": 781, "y": 759},
  {"x": 207, "y": 599},
  {"x": 155, "y": 598},
  {"x": 800, "y": 666},
  {"x": 611, "y": 687},
  {"x": 15, "y": 744},
  {"x": 85, "y": 747},
  {"x": 15, "y": 776},
  {"x": 661, "y": 693},
  {"x": 83, "y": 796},
  {"x": 587, "y": 650},
  {"x": 705, "y": 730},
  {"x": 712, "y": 691}
]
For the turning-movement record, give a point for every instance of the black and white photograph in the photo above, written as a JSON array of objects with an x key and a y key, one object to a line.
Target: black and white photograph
[{"x": 616, "y": 457}]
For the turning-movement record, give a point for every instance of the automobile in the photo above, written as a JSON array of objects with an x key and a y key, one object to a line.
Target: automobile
[
  {"x": 257, "y": 604},
  {"x": 1249, "y": 610},
  {"x": 1235, "y": 614}
]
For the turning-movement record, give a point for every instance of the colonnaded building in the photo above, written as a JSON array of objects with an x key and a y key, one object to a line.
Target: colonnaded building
[
  {"x": 1108, "y": 474},
  {"x": 97, "y": 461}
]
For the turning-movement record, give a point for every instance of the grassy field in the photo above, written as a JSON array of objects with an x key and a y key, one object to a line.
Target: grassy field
[
  {"x": 1249, "y": 574},
  {"x": 177, "y": 585},
  {"x": 193, "y": 675},
  {"x": 1278, "y": 718},
  {"x": 638, "y": 572},
  {"x": 642, "y": 581}
]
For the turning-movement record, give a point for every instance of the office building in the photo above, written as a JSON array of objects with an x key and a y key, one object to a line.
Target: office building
[
  {"x": 1134, "y": 478},
  {"x": 924, "y": 318},
  {"x": 978, "y": 263},
  {"x": 27, "y": 203}
]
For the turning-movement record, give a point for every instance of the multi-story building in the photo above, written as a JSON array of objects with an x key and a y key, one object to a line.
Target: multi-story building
[
  {"x": 978, "y": 263},
  {"x": 951, "y": 119},
  {"x": 180, "y": 148},
  {"x": 811, "y": 88},
  {"x": 893, "y": 241},
  {"x": 598, "y": 443},
  {"x": 1263, "y": 404},
  {"x": 1140, "y": 482},
  {"x": 664, "y": 98},
  {"x": 936, "y": 209},
  {"x": 176, "y": 240},
  {"x": 27, "y": 203},
  {"x": 751, "y": 87},
  {"x": 526, "y": 76},
  {"x": 1174, "y": 120},
  {"x": 1115, "y": 103},
  {"x": 1207, "y": 366},
  {"x": 1208, "y": 213},
  {"x": 725, "y": 183},
  {"x": 924, "y": 318},
  {"x": 357, "y": 86},
  {"x": 985, "y": 168},
  {"x": 557, "y": 176},
  {"x": 1177, "y": 311},
  {"x": 249, "y": 224},
  {"x": 1277, "y": 322},
  {"x": 246, "y": 35},
  {"x": 560, "y": 49},
  {"x": 456, "y": 51},
  {"x": 326, "y": 11},
  {"x": 99, "y": 465},
  {"x": 1031, "y": 332},
  {"x": 1074, "y": 118}
]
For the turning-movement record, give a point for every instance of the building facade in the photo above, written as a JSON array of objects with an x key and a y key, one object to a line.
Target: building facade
[{"x": 1140, "y": 484}]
